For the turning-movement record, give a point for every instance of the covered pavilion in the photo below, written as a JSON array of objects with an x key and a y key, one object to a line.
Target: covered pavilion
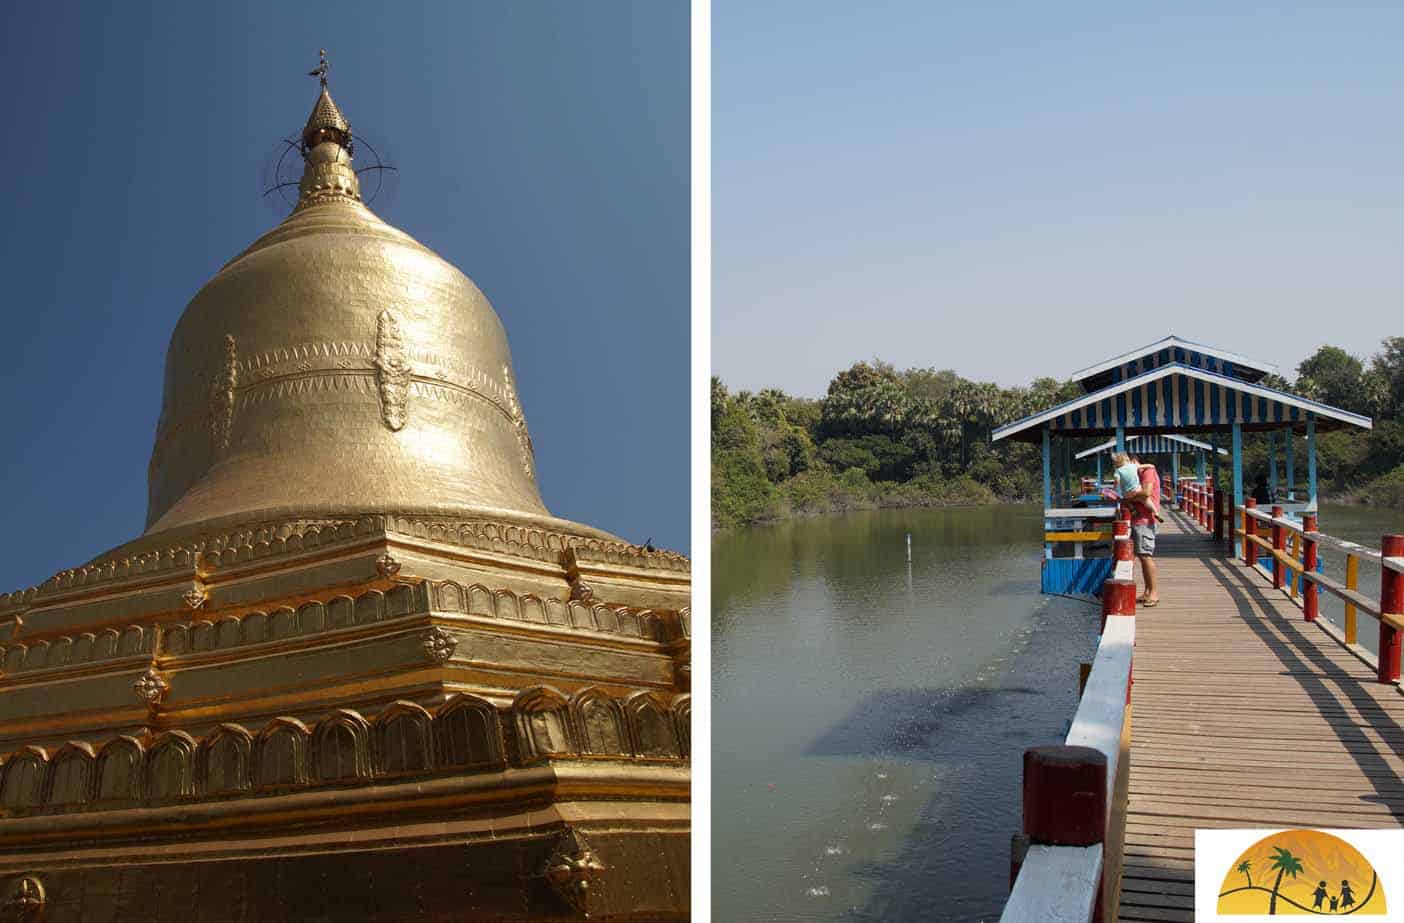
[{"x": 1167, "y": 388}]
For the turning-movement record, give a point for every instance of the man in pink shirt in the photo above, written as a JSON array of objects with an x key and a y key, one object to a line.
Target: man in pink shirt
[{"x": 1143, "y": 528}]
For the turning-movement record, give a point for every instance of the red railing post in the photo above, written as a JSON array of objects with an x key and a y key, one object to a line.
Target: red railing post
[
  {"x": 1217, "y": 518},
  {"x": 1279, "y": 543},
  {"x": 1118, "y": 597},
  {"x": 1065, "y": 795},
  {"x": 1250, "y": 531},
  {"x": 1310, "y": 601},
  {"x": 1391, "y": 603},
  {"x": 1122, "y": 551}
]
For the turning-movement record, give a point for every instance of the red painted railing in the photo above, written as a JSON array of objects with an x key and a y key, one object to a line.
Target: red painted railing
[{"x": 1388, "y": 610}]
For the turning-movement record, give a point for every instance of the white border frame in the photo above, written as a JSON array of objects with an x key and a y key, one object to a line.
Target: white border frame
[{"x": 701, "y": 459}]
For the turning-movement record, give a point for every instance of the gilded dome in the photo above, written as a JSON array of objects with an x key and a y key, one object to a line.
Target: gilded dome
[{"x": 337, "y": 367}]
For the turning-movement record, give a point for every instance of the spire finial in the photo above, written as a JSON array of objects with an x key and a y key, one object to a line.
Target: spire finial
[{"x": 321, "y": 70}]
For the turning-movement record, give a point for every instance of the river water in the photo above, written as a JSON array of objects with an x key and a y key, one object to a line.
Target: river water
[{"x": 869, "y": 716}]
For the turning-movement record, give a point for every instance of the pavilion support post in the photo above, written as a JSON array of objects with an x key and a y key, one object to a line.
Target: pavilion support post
[
  {"x": 1121, "y": 439},
  {"x": 1272, "y": 464},
  {"x": 1175, "y": 477},
  {"x": 1237, "y": 485},
  {"x": 1250, "y": 532},
  {"x": 1213, "y": 458},
  {"x": 1279, "y": 544},
  {"x": 1199, "y": 465},
  {"x": 1099, "y": 469},
  {"x": 1311, "y": 605},
  {"x": 1391, "y": 603},
  {"x": 1291, "y": 470},
  {"x": 1047, "y": 474},
  {"x": 1311, "y": 460},
  {"x": 1069, "y": 481}
]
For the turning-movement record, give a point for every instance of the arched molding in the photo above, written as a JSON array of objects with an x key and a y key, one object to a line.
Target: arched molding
[
  {"x": 543, "y": 724},
  {"x": 341, "y": 747},
  {"x": 70, "y": 779},
  {"x": 600, "y": 719},
  {"x": 22, "y": 782},
  {"x": 651, "y": 727},
  {"x": 119, "y": 770},
  {"x": 682, "y": 723},
  {"x": 225, "y": 764},
  {"x": 468, "y": 733},
  {"x": 404, "y": 739},
  {"x": 280, "y": 753},
  {"x": 170, "y": 767}
]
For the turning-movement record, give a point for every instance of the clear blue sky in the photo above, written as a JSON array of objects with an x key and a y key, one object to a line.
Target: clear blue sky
[
  {"x": 1024, "y": 189},
  {"x": 543, "y": 148}
]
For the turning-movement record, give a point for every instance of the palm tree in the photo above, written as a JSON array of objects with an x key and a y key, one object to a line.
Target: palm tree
[
  {"x": 1243, "y": 867},
  {"x": 1286, "y": 864}
]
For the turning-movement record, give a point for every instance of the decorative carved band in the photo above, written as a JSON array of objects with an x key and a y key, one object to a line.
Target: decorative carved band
[
  {"x": 405, "y": 739},
  {"x": 296, "y": 535},
  {"x": 336, "y": 612}
]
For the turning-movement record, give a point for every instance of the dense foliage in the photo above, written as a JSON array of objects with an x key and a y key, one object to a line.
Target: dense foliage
[{"x": 921, "y": 437}]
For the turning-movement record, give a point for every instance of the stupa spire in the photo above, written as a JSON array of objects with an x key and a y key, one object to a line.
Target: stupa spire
[{"x": 327, "y": 148}]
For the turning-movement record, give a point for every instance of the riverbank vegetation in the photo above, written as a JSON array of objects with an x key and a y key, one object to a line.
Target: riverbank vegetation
[{"x": 881, "y": 437}]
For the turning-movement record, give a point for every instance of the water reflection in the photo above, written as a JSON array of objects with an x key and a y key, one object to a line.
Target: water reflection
[{"x": 869, "y": 713}]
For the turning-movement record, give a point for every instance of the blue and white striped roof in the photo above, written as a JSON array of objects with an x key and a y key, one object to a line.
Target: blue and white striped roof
[
  {"x": 1178, "y": 397},
  {"x": 1147, "y": 444},
  {"x": 1168, "y": 351}
]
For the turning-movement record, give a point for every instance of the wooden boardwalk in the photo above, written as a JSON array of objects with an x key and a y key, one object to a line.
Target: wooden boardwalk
[{"x": 1243, "y": 715}]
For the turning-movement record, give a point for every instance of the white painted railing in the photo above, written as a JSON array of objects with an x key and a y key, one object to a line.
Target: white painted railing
[{"x": 1063, "y": 884}]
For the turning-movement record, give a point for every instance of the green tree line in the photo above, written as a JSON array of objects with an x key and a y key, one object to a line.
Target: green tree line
[{"x": 921, "y": 437}]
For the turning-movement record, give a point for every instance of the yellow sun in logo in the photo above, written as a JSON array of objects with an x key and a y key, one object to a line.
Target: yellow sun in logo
[{"x": 1303, "y": 872}]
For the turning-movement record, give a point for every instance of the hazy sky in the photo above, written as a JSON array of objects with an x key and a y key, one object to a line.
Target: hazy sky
[
  {"x": 1014, "y": 190},
  {"x": 543, "y": 148}
]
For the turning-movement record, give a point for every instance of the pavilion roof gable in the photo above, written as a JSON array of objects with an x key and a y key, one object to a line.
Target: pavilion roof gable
[
  {"x": 1155, "y": 402},
  {"x": 1171, "y": 350}
]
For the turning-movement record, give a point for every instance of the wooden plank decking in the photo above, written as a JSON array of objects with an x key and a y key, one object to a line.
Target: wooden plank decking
[{"x": 1243, "y": 715}]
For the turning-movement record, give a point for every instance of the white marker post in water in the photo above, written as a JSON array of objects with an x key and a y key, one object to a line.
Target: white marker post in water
[{"x": 909, "y": 547}]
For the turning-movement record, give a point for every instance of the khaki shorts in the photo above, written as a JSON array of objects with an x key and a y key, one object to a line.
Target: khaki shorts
[{"x": 1143, "y": 540}]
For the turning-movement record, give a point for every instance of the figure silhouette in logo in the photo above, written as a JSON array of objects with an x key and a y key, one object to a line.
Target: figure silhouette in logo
[
  {"x": 1319, "y": 894},
  {"x": 1334, "y": 901},
  {"x": 1347, "y": 898}
]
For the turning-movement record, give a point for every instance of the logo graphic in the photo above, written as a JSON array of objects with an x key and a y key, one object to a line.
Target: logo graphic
[{"x": 1256, "y": 874}]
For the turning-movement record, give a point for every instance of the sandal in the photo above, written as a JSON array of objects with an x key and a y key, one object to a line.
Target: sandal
[{"x": 1150, "y": 603}]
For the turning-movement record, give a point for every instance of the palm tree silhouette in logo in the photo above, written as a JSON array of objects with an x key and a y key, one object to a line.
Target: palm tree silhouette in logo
[
  {"x": 1286, "y": 864},
  {"x": 1243, "y": 867}
]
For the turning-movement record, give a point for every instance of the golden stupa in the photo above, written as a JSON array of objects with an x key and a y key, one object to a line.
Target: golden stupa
[{"x": 353, "y": 669}]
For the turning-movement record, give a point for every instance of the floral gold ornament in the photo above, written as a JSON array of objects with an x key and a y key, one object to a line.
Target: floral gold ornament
[
  {"x": 194, "y": 597},
  {"x": 151, "y": 687},
  {"x": 387, "y": 566},
  {"x": 439, "y": 644}
]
